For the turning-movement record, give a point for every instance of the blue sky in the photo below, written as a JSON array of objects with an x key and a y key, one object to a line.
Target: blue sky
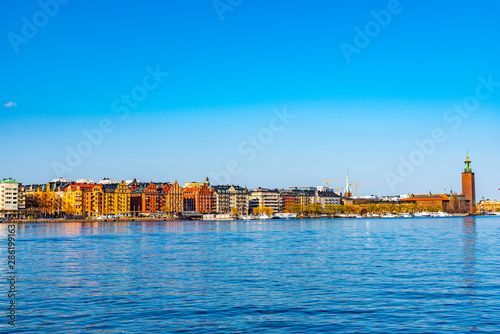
[{"x": 226, "y": 79}]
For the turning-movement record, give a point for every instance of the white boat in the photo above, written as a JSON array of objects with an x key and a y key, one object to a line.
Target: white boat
[
  {"x": 286, "y": 215},
  {"x": 441, "y": 214},
  {"x": 422, "y": 214},
  {"x": 263, "y": 217},
  {"x": 247, "y": 217}
]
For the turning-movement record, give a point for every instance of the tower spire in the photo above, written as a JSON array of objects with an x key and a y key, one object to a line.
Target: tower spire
[
  {"x": 347, "y": 186},
  {"x": 468, "y": 168}
]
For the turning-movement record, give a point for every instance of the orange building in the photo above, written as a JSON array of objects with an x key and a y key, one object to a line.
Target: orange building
[
  {"x": 83, "y": 199},
  {"x": 429, "y": 200},
  {"x": 153, "y": 198},
  {"x": 198, "y": 197}
]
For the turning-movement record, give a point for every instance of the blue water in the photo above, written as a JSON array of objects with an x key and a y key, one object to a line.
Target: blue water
[{"x": 308, "y": 276}]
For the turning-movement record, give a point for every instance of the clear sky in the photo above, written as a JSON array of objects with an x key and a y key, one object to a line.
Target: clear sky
[{"x": 355, "y": 85}]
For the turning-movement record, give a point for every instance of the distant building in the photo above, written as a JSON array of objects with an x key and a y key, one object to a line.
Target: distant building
[
  {"x": 263, "y": 197},
  {"x": 116, "y": 199},
  {"x": 225, "y": 198},
  {"x": 9, "y": 198},
  {"x": 450, "y": 203},
  {"x": 327, "y": 198},
  {"x": 287, "y": 198},
  {"x": 486, "y": 205},
  {"x": 85, "y": 181},
  {"x": 174, "y": 201},
  {"x": 108, "y": 181},
  {"x": 61, "y": 180},
  {"x": 303, "y": 188},
  {"x": 83, "y": 199},
  {"x": 198, "y": 196}
]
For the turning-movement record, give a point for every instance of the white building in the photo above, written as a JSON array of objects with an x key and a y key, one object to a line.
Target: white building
[
  {"x": 61, "y": 180},
  {"x": 86, "y": 181},
  {"x": 108, "y": 181},
  {"x": 10, "y": 201}
]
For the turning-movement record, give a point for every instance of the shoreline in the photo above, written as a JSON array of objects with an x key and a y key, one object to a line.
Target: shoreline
[{"x": 147, "y": 220}]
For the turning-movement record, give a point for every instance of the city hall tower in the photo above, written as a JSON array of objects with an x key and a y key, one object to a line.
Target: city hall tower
[{"x": 469, "y": 184}]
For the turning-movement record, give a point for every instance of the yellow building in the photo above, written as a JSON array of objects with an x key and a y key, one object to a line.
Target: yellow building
[
  {"x": 83, "y": 199},
  {"x": 116, "y": 199},
  {"x": 488, "y": 206},
  {"x": 174, "y": 198}
]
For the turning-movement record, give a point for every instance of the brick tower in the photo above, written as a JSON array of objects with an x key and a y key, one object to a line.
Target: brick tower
[{"x": 469, "y": 184}]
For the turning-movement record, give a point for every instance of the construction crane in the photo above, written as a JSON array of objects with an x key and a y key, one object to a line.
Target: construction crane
[
  {"x": 328, "y": 181},
  {"x": 356, "y": 184}
]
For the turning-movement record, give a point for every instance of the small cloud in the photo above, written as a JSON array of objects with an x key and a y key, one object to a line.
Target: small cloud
[{"x": 10, "y": 104}]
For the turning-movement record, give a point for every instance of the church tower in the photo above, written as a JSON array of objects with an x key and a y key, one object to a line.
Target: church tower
[
  {"x": 469, "y": 184},
  {"x": 347, "y": 192}
]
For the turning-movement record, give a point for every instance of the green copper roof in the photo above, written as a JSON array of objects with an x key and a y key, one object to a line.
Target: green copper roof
[
  {"x": 9, "y": 180},
  {"x": 468, "y": 168}
]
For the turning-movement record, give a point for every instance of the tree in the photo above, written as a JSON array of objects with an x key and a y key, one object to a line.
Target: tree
[
  {"x": 235, "y": 211},
  {"x": 263, "y": 210},
  {"x": 454, "y": 204},
  {"x": 330, "y": 208},
  {"x": 314, "y": 208},
  {"x": 293, "y": 208}
]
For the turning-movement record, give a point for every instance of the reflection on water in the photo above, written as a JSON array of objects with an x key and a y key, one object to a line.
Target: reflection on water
[
  {"x": 469, "y": 250},
  {"x": 317, "y": 276}
]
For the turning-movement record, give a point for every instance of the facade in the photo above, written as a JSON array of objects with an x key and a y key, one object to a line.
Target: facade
[
  {"x": 153, "y": 198},
  {"x": 287, "y": 197},
  {"x": 263, "y": 197},
  {"x": 328, "y": 197},
  {"x": 173, "y": 198},
  {"x": 198, "y": 197},
  {"x": 469, "y": 184},
  {"x": 429, "y": 200},
  {"x": 10, "y": 202},
  {"x": 227, "y": 198},
  {"x": 488, "y": 206},
  {"x": 116, "y": 200},
  {"x": 83, "y": 199},
  {"x": 137, "y": 197},
  {"x": 450, "y": 202}
]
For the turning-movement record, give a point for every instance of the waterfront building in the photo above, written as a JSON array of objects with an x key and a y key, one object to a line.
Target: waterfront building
[
  {"x": 429, "y": 200},
  {"x": 153, "y": 198},
  {"x": 469, "y": 184},
  {"x": 327, "y": 197},
  {"x": 173, "y": 198},
  {"x": 262, "y": 197},
  {"x": 10, "y": 202},
  {"x": 486, "y": 205},
  {"x": 83, "y": 199},
  {"x": 137, "y": 197},
  {"x": 116, "y": 199},
  {"x": 46, "y": 199},
  {"x": 306, "y": 197},
  {"x": 287, "y": 198},
  {"x": 227, "y": 198},
  {"x": 449, "y": 202},
  {"x": 197, "y": 196}
]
